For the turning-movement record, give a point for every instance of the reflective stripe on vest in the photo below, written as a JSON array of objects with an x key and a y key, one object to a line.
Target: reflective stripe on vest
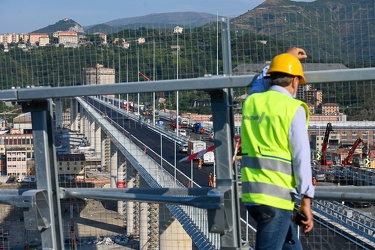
[
  {"x": 267, "y": 189},
  {"x": 267, "y": 164}
]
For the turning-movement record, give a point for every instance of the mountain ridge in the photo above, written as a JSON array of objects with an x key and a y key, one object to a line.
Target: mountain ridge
[
  {"x": 65, "y": 24},
  {"x": 170, "y": 19}
]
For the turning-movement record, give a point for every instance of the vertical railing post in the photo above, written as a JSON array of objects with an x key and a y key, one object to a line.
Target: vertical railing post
[
  {"x": 223, "y": 124},
  {"x": 46, "y": 173}
]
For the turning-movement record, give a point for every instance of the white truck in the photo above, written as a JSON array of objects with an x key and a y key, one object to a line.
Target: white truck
[
  {"x": 209, "y": 158},
  {"x": 196, "y": 146}
]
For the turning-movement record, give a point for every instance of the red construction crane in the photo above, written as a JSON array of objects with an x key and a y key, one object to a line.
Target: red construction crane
[
  {"x": 161, "y": 95},
  {"x": 349, "y": 159},
  {"x": 146, "y": 77},
  {"x": 323, "y": 159}
]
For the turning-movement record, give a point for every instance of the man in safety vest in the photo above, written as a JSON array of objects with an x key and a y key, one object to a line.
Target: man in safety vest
[{"x": 276, "y": 157}]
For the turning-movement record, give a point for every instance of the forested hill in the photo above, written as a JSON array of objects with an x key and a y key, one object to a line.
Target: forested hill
[{"x": 334, "y": 26}]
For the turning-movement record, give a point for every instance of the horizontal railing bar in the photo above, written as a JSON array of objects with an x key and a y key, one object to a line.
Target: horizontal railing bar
[
  {"x": 152, "y": 191},
  {"x": 204, "y": 83},
  {"x": 202, "y": 201},
  {"x": 199, "y": 197}
]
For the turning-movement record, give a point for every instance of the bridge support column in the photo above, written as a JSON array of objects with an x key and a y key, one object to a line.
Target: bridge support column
[
  {"x": 91, "y": 131},
  {"x": 96, "y": 142},
  {"x": 113, "y": 166},
  {"x": 130, "y": 211},
  {"x": 172, "y": 234},
  {"x": 58, "y": 113},
  {"x": 74, "y": 117},
  {"x": 83, "y": 123},
  {"x": 143, "y": 225},
  {"x": 106, "y": 151},
  {"x": 121, "y": 177}
]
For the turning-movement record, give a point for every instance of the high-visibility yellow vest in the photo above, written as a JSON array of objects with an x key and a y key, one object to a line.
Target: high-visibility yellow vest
[{"x": 267, "y": 176}]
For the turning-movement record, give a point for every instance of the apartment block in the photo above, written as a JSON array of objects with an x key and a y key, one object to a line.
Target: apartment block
[
  {"x": 38, "y": 39},
  {"x": 70, "y": 165}
]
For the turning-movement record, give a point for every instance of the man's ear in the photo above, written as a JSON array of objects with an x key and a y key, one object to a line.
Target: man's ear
[{"x": 295, "y": 82}]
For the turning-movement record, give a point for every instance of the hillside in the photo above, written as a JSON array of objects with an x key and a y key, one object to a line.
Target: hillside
[
  {"x": 322, "y": 26},
  {"x": 63, "y": 25}
]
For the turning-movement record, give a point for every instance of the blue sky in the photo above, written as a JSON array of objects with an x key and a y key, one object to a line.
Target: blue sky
[{"x": 26, "y": 16}]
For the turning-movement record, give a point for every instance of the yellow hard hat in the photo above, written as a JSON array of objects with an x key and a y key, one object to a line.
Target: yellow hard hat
[{"x": 286, "y": 63}]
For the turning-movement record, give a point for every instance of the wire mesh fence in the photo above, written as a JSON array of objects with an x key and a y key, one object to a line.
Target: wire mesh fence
[{"x": 334, "y": 37}]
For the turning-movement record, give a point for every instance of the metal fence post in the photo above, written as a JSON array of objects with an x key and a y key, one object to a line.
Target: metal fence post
[
  {"x": 223, "y": 124},
  {"x": 46, "y": 173}
]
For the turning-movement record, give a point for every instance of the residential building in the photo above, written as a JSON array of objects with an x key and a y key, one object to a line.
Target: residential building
[
  {"x": 24, "y": 37},
  {"x": 22, "y": 124},
  {"x": 309, "y": 95},
  {"x": 71, "y": 165},
  {"x": 9, "y": 38},
  {"x": 67, "y": 38},
  {"x": 16, "y": 162},
  {"x": 103, "y": 36},
  {"x": 43, "y": 41},
  {"x": 98, "y": 75},
  {"x": 328, "y": 118},
  {"x": 311, "y": 108},
  {"x": 34, "y": 38},
  {"x": 330, "y": 109},
  {"x": 18, "y": 150}
]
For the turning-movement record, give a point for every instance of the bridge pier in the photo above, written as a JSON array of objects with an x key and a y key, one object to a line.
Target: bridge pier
[
  {"x": 130, "y": 211},
  {"x": 121, "y": 177},
  {"x": 95, "y": 142},
  {"x": 143, "y": 225},
  {"x": 113, "y": 166},
  {"x": 58, "y": 113},
  {"x": 105, "y": 151},
  {"x": 90, "y": 132},
  {"x": 74, "y": 118}
]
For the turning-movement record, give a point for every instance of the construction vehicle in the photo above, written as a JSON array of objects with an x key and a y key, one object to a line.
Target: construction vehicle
[
  {"x": 198, "y": 128},
  {"x": 209, "y": 158},
  {"x": 324, "y": 160},
  {"x": 161, "y": 95},
  {"x": 195, "y": 146},
  {"x": 349, "y": 159}
]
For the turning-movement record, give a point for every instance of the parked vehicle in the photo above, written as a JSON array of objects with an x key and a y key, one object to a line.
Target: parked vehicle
[
  {"x": 319, "y": 175},
  {"x": 185, "y": 123},
  {"x": 209, "y": 158},
  {"x": 196, "y": 146},
  {"x": 183, "y": 148},
  {"x": 183, "y": 132},
  {"x": 26, "y": 179}
]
